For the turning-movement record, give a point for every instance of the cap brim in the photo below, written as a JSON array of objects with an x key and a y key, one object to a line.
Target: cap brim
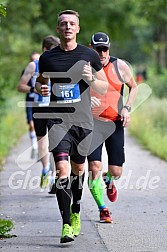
[{"x": 101, "y": 44}]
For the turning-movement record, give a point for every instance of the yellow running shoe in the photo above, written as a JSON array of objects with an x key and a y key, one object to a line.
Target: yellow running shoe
[
  {"x": 75, "y": 223},
  {"x": 44, "y": 179},
  {"x": 67, "y": 234}
]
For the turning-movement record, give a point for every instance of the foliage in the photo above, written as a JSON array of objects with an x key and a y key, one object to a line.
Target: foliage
[
  {"x": 137, "y": 29},
  {"x": 158, "y": 83},
  {"x": 5, "y": 227},
  {"x": 2, "y": 10},
  {"x": 149, "y": 126},
  {"x": 129, "y": 24},
  {"x": 12, "y": 124},
  {"x": 155, "y": 12}
]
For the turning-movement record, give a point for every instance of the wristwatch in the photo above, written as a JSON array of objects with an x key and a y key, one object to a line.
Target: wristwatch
[
  {"x": 127, "y": 107},
  {"x": 32, "y": 90}
]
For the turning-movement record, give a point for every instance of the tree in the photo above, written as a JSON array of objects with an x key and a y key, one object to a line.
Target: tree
[
  {"x": 137, "y": 28},
  {"x": 2, "y": 10},
  {"x": 155, "y": 12}
]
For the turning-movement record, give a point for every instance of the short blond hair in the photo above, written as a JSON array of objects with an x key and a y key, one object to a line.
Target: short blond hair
[{"x": 70, "y": 12}]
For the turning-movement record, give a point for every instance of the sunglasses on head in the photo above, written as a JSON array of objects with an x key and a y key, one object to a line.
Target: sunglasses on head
[{"x": 102, "y": 49}]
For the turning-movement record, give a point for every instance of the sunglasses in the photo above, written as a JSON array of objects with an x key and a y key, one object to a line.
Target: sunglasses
[{"x": 101, "y": 49}]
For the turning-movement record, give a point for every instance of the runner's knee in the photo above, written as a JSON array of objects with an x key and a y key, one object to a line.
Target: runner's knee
[
  {"x": 95, "y": 166},
  {"x": 115, "y": 171}
]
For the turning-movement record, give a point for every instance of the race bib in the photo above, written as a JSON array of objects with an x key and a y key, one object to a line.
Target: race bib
[
  {"x": 68, "y": 93},
  {"x": 31, "y": 95},
  {"x": 42, "y": 101}
]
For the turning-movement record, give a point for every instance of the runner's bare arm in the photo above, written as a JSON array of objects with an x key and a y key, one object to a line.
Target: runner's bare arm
[
  {"x": 127, "y": 77},
  {"x": 27, "y": 75}
]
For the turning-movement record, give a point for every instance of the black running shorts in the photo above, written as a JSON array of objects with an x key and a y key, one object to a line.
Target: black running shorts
[
  {"x": 112, "y": 134},
  {"x": 40, "y": 123},
  {"x": 71, "y": 139}
]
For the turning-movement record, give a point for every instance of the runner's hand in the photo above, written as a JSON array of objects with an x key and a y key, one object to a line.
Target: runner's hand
[
  {"x": 125, "y": 117},
  {"x": 87, "y": 72},
  {"x": 44, "y": 90}
]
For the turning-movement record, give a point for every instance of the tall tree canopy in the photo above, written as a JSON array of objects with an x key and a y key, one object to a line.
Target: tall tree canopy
[{"x": 137, "y": 28}]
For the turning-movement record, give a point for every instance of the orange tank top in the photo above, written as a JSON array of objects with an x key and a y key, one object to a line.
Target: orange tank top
[{"x": 111, "y": 102}]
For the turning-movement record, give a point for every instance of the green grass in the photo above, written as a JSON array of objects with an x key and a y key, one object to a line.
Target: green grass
[
  {"x": 12, "y": 125},
  {"x": 149, "y": 126}
]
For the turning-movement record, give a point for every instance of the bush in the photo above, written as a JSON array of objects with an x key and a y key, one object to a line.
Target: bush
[
  {"x": 12, "y": 124},
  {"x": 5, "y": 227},
  {"x": 158, "y": 83},
  {"x": 149, "y": 126}
]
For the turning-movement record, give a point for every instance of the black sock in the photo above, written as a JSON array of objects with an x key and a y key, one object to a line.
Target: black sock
[
  {"x": 76, "y": 188},
  {"x": 63, "y": 193}
]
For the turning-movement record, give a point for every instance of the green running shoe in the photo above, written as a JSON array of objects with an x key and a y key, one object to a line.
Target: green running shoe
[
  {"x": 67, "y": 234},
  {"x": 75, "y": 223},
  {"x": 44, "y": 181}
]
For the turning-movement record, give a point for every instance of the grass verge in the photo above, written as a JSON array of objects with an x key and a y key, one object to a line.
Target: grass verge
[
  {"x": 149, "y": 126},
  {"x": 12, "y": 125}
]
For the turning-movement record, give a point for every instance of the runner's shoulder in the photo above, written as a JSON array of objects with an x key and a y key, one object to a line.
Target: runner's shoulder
[{"x": 87, "y": 49}]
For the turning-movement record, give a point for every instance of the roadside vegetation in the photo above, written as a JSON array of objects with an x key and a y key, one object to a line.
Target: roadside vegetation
[
  {"x": 149, "y": 126},
  {"x": 140, "y": 39},
  {"x": 5, "y": 227},
  {"x": 12, "y": 124},
  {"x": 149, "y": 120}
]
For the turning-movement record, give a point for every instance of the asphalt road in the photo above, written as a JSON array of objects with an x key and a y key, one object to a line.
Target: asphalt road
[{"x": 139, "y": 216}]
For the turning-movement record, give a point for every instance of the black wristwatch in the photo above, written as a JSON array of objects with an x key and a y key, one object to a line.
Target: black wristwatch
[
  {"x": 32, "y": 90},
  {"x": 127, "y": 107}
]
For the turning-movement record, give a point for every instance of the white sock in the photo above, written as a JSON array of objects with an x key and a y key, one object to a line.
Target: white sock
[
  {"x": 47, "y": 168},
  {"x": 33, "y": 139}
]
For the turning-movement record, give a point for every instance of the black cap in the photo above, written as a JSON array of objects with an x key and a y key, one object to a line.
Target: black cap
[{"x": 100, "y": 39}]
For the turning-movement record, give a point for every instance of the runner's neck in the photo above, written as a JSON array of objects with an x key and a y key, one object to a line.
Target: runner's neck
[{"x": 68, "y": 46}]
